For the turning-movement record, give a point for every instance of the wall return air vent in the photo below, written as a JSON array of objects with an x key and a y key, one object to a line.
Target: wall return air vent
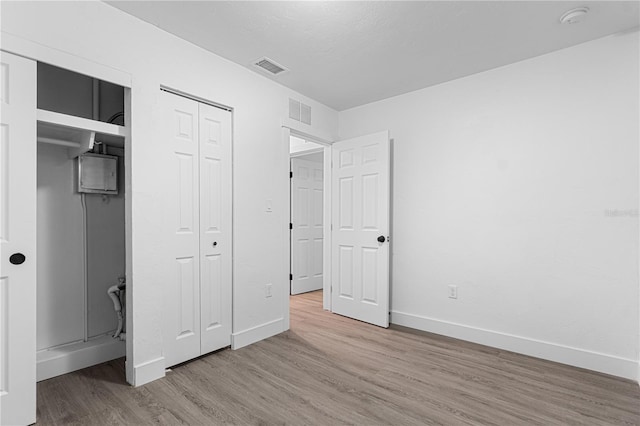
[
  {"x": 299, "y": 111},
  {"x": 270, "y": 66}
]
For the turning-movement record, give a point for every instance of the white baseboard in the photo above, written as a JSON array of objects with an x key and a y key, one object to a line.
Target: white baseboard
[
  {"x": 255, "y": 334},
  {"x": 609, "y": 364},
  {"x": 148, "y": 371},
  {"x": 75, "y": 356}
]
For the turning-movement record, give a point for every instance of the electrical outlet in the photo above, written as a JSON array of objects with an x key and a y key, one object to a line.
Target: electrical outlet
[
  {"x": 453, "y": 292},
  {"x": 267, "y": 290}
]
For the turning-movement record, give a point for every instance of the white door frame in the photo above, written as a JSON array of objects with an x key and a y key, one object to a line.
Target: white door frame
[
  {"x": 41, "y": 53},
  {"x": 287, "y": 132}
]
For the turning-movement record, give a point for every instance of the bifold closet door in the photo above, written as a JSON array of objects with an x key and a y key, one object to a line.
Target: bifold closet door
[
  {"x": 181, "y": 314},
  {"x": 197, "y": 298},
  {"x": 215, "y": 227}
]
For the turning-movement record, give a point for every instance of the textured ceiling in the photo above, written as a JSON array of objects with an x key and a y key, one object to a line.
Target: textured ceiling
[{"x": 346, "y": 54}]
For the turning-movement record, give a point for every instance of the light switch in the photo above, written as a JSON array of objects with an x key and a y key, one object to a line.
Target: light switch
[{"x": 269, "y": 205}]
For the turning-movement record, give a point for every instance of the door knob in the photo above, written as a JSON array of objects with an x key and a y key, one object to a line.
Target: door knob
[
  {"x": 17, "y": 258},
  {"x": 215, "y": 243},
  {"x": 381, "y": 239}
]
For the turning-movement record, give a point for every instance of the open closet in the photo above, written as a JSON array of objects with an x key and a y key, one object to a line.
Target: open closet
[
  {"x": 80, "y": 232},
  {"x": 63, "y": 204}
]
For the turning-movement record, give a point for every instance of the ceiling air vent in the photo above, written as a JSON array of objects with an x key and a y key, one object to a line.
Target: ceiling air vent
[{"x": 269, "y": 66}]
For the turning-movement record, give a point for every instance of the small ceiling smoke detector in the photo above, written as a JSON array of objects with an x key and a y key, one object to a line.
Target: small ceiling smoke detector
[
  {"x": 574, "y": 16},
  {"x": 270, "y": 66}
]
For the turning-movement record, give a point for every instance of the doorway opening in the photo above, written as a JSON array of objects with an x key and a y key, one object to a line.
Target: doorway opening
[
  {"x": 355, "y": 233},
  {"x": 81, "y": 236},
  {"x": 308, "y": 245}
]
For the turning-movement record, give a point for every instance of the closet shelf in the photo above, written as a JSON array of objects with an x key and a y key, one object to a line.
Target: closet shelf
[{"x": 76, "y": 133}]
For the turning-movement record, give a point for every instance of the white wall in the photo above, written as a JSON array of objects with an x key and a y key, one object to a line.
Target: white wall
[
  {"x": 298, "y": 145},
  {"x": 316, "y": 157},
  {"x": 520, "y": 186},
  {"x": 105, "y": 252},
  {"x": 100, "y": 33},
  {"x": 60, "y": 272}
]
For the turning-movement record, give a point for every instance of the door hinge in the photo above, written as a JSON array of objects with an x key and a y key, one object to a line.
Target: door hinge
[
  {"x": 290, "y": 277},
  {"x": 290, "y": 225},
  {"x": 290, "y": 175}
]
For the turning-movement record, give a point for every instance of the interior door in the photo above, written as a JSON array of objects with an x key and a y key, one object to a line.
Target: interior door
[
  {"x": 17, "y": 240},
  {"x": 306, "y": 218},
  {"x": 360, "y": 228},
  {"x": 215, "y": 227},
  {"x": 181, "y": 314}
]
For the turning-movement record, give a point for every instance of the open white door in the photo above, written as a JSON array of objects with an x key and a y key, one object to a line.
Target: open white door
[
  {"x": 306, "y": 218},
  {"x": 17, "y": 240},
  {"x": 360, "y": 192}
]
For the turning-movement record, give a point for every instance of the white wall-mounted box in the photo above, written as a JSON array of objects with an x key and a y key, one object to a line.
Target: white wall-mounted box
[{"x": 98, "y": 174}]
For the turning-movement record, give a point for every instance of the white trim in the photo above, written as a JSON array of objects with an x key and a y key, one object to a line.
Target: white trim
[
  {"x": 326, "y": 232},
  {"x": 604, "y": 363},
  {"x": 182, "y": 94},
  {"x": 293, "y": 126},
  {"x": 65, "y": 359},
  {"x": 286, "y": 245},
  {"x": 41, "y": 53},
  {"x": 128, "y": 232},
  {"x": 148, "y": 371},
  {"x": 257, "y": 333}
]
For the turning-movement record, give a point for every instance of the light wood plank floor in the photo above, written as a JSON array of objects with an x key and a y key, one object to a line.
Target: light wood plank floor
[{"x": 330, "y": 370}]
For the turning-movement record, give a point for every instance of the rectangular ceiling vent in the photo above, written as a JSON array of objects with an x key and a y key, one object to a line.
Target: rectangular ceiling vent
[{"x": 269, "y": 66}]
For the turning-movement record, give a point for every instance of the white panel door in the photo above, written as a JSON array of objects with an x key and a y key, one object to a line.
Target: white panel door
[
  {"x": 306, "y": 217},
  {"x": 17, "y": 240},
  {"x": 215, "y": 227},
  {"x": 360, "y": 228},
  {"x": 181, "y": 315}
]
